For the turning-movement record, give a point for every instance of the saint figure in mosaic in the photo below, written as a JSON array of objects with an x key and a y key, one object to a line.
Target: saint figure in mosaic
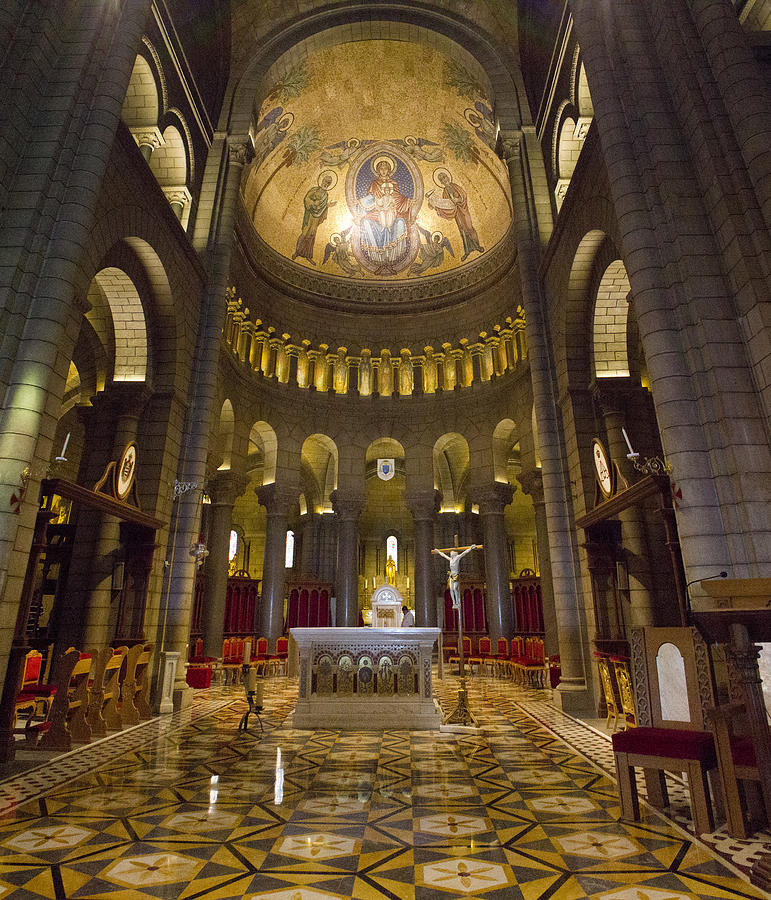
[{"x": 316, "y": 204}]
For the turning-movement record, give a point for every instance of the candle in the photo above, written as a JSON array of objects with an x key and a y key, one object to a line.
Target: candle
[
  {"x": 626, "y": 438},
  {"x": 251, "y": 681},
  {"x": 61, "y": 456}
]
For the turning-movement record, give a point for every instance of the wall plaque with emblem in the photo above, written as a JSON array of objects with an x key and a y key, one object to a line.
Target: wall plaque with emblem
[
  {"x": 603, "y": 470},
  {"x": 120, "y": 477}
]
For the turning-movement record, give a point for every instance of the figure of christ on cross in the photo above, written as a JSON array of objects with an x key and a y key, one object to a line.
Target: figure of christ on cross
[
  {"x": 461, "y": 715},
  {"x": 454, "y": 559}
]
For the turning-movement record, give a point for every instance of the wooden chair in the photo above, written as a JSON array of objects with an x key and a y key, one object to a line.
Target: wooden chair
[
  {"x": 516, "y": 658},
  {"x": 606, "y": 680},
  {"x": 532, "y": 667},
  {"x": 487, "y": 660},
  {"x": 673, "y": 690},
  {"x": 455, "y": 658},
  {"x": 232, "y": 659},
  {"x": 68, "y": 712},
  {"x": 277, "y": 661},
  {"x": 260, "y": 655},
  {"x": 103, "y": 709},
  {"x": 501, "y": 656},
  {"x": 34, "y": 698},
  {"x": 737, "y": 764}
]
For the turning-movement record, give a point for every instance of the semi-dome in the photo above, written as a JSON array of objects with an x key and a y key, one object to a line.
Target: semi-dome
[{"x": 375, "y": 161}]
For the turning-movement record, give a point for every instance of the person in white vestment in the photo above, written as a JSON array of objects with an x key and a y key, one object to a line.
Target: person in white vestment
[{"x": 408, "y": 618}]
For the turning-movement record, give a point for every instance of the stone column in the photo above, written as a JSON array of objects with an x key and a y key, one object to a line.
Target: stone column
[
  {"x": 492, "y": 499},
  {"x": 309, "y": 553},
  {"x": 178, "y": 589},
  {"x": 92, "y": 73},
  {"x": 348, "y": 507},
  {"x": 424, "y": 506},
  {"x": 532, "y": 484},
  {"x": 223, "y": 489},
  {"x": 563, "y": 549},
  {"x": 633, "y": 534},
  {"x": 278, "y": 501}
]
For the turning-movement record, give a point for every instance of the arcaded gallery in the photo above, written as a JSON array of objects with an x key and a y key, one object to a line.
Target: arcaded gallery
[{"x": 385, "y": 449}]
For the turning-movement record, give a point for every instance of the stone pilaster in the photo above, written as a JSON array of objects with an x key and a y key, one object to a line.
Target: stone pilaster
[{"x": 563, "y": 550}]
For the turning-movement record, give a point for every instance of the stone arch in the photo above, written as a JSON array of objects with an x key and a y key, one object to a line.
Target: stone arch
[
  {"x": 141, "y": 106},
  {"x": 225, "y": 434},
  {"x": 169, "y": 162},
  {"x": 609, "y": 331},
  {"x": 451, "y": 464},
  {"x": 125, "y": 334},
  {"x": 583, "y": 98},
  {"x": 576, "y": 325},
  {"x": 504, "y": 437},
  {"x": 471, "y": 39},
  {"x": 263, "y": 451},
  {"x": 320, "y": 457}
]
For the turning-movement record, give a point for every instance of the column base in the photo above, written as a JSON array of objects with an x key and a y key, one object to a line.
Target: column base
[
  {"x": 183, "y": 696},
  {"x": 574, "y": 698}
]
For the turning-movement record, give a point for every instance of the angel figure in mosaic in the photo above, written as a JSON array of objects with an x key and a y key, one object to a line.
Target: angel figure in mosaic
[
  {"x": 431, "y": 253},
  {"x": 339, "y": 250},
  {"x": 340, "y": 154}
]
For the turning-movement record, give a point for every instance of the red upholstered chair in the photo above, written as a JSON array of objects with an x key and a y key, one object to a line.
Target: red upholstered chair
[
  {"x": 277, "y": 661},
  {"x": 486, "y": 655},
  {"x": 501, "y": 656},
  {"x": 455, "y": 657},
  {"x": 260, "y": 657},
  {"x": 532, "y": 667},
  {"x": 516, "y": 658},
  {"x": 673, "y": 691},
  {"x": 34, "y": 698}
]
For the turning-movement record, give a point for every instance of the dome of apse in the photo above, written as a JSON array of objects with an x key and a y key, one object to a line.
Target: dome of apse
[{"x": 375, "y": 165}]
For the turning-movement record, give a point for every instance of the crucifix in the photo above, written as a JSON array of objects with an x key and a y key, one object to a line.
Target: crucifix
[{"x": 461, "y": 715}]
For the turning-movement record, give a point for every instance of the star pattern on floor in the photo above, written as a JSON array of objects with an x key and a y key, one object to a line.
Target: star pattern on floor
[{"x": 524, "y": 808}]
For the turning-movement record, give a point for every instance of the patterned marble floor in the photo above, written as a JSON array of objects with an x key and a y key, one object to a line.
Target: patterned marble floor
[{"x": 188, "y": 807}]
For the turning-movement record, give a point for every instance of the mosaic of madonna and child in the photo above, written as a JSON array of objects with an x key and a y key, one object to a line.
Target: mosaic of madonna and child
[{"x": 371, "y": 204}]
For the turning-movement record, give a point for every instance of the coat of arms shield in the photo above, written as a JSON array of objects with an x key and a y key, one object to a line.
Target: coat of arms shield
[{"x": 386, "y": 469}]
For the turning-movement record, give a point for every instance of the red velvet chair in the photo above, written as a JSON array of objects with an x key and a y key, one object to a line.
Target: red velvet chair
[{"x": 278, "y": 660}]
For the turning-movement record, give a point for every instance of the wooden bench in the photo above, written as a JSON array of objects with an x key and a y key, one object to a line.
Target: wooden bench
[
  {"x": 103, "y": 709},
  {"x": 135, "y": 701},
  {"x": 68, "y": 711}
]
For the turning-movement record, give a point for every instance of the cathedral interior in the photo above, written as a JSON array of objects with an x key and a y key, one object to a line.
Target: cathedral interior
[{"x": 295, "y": 294}]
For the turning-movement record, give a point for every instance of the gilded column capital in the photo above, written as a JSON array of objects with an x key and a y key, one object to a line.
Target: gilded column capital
[
  {"x": 225, "y": 486},
  {"x": 492, "y": 498}
]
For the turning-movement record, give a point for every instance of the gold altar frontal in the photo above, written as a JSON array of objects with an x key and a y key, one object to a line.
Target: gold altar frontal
[{"x": 365, "y": 678}]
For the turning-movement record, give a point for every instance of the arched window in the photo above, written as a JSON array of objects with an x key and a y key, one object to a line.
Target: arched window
[
  {"x": 289, "y": 558},
  {"x": 392, "y": 549},
  {"x": 233, "y": 545}
]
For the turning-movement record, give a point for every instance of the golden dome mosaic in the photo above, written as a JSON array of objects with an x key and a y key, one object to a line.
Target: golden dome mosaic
[{"x": 376, "y": 160}]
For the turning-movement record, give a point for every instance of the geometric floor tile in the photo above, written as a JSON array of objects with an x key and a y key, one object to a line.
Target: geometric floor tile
[{"x": 189, "y": 807}]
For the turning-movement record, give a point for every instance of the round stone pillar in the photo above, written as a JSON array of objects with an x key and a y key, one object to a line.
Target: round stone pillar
[
  {"x": 532, "y": 484},
  {"x": 424, "y": 507},
  {"x": 347, "y": 507},
  {"x": 277, "y": 500},
  {"x": 492, "y": 499},
  {"x": 223, "y": 490}
]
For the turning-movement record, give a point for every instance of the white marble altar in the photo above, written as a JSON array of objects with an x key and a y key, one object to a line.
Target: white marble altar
[
  {"x": 386, "y": 607},
  {"x": 366, "y": 678}
]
